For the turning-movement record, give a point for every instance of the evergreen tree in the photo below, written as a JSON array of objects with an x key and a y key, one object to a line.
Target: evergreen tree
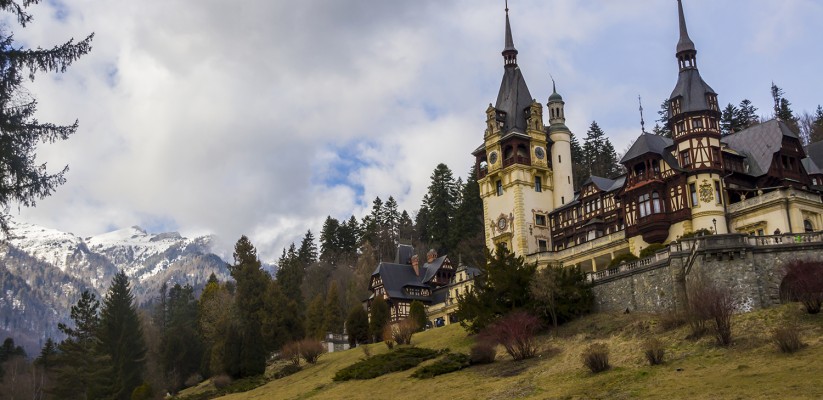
[
  {"x": 417, "y": 313},
  {"x": 252, "y": 283},
  {"x": 501, "y": 287},
  {"x": 281, "y": 319},
  {"x": 747, "y": 114},
  {"x": 82, "y": 370},
  {"x": 662, "y": 128},
  {"x": 215, "y": 311},
  {"x": 290, "y": 275},
  {"x": 121, "y": 337},
  {"x": 333, "y": 313},
  {"x": 391, "y": 228},
  {"x": 421, "y": 221},
  {"x": 315, "y": 327},
  {"x": 329, "y": 246},
  {"x": 782, "y": 108},
  {"x": 357, "y": 325},
  {"x": 379, "y": 318},
  {"x": 598, "y": 153},
  {"x": 580, "y": 170},
  {"x": 45, "y": 363},
  {"x": 467, "y": 228},
  {"x": 440, "y": 204},
  {"x": 350, "y": 236},
  {"x": 729, "y": 120},
  {"x": 406, "y": 232},
  {"x": 816, "y": 134},
  {"x": 181, "y": 346},
  {"x": 308, "y": 249},
  {"x": 23, "y": 180},
  {"x": 560, "y": 294}
]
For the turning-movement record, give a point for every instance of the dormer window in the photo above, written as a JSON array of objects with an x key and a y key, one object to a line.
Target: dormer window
[
  {"x": 712, "y": 100},
  {"x": 675, "y": 107},
  {"x": 697, "y": 123}
]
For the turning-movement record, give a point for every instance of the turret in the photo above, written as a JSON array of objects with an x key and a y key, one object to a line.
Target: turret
[{"x": 561, "y": 150}]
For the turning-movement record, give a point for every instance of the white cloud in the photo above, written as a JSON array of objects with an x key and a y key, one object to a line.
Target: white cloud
[{"x": 231, "y": 117}]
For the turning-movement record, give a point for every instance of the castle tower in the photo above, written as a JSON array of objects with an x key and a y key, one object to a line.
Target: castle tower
[
  {"x": 693, "y": 120},
  {"x": 560, "y": 136},
  {"x": 513, "y": 166}
]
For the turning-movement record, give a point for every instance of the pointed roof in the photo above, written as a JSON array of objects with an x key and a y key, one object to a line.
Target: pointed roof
[
  {"x": 555, "y": 96},
  {"x": 514, "y": 97},
  {"x": 647, "y": 143},
  {"x": 685, "y": 43},
  {"x": 759, "y": 143}
]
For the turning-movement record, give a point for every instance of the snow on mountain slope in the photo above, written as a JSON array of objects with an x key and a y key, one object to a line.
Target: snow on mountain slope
[{"x": 48, "y": 245}]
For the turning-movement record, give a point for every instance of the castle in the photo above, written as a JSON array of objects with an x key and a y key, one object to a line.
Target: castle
[{"x": 755, "y": 191}]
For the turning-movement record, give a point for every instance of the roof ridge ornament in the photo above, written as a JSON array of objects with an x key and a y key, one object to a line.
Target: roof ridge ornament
[
  {"x": 509, "y": 51},
  {"x": 642, "y": 123},
  {"x": 686, "y": 53}
]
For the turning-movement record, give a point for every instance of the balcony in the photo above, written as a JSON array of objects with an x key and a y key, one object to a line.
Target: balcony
[{"x": 525, "y": 160}]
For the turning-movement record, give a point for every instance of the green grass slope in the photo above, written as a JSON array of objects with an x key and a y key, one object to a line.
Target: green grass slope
[{"x": 751, "y": 368}]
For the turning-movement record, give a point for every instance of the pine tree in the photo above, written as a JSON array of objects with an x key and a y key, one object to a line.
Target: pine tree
[
  {"x": 308, "y": 249},
  {"x": 467, "y": 228},
  {"x": 580, "y": 170},
  {"x": 662, "y": 128},
  {"x": 333, "y": 313},
  {"x": 406, "y": 232},
  {"x": 391, "y": 228},
  {"x": 747, "y": 115},
  {"x": 290, "y": 275},
  {"x": 315, "y": 327},
  {"x": 329, "y": 246},
  {"x": 782, "y": 108},
  {"x": 252, "y": 283},
  {"x": 440, "y": 203},
  {"x": 23, "y": 181},
  {"x": 181, "y": 346},
  {"x": 599, "y": 154},
  {"x": 729, "y": 120},
  {"x": 816, "y": 134},
  {"x": 502, "y": 287},
  {"x": 215, "y": 311},
  {"x": 121, "y": 337},
  {"x": 417, "y": 313},
  {"x": 357, "y": 325},
  {"x": 81, "y": 369}
]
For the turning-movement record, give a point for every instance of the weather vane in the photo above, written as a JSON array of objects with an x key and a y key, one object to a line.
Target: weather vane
[{"x": 642, "y": 123}]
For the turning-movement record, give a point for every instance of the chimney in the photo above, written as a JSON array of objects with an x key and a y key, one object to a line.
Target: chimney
[
  {"x": 431, "y": 255},
  {"x": 415, "y": 264}
]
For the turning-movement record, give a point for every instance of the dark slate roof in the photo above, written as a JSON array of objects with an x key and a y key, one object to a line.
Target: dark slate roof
[
  {"x": 513, "y": 99},
  {"x": 759, "y": 143},
  {"x": 815, "y": 152},
  {"x": 431, "y": 268},
  {"x": 811, "y": 167},
  {"x": 692, "y": 88},
  {"x": 602, "y": 183},
  {"x": 397, "y": 276},
  {"x": 647, "y": 143},
  {"x": 618, "y": 183},
  {"x": 685, "y": 43}
]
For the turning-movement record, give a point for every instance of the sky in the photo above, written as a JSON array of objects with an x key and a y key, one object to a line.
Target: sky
[{"x": 262, "y": 117}]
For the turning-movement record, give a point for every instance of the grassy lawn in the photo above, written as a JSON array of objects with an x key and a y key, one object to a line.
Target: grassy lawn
[{"x": 751, "y": 368}]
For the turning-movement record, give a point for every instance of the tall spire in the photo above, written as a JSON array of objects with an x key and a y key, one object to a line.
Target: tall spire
[
  {"x": 686, "y": 52},
  {"x": 509, "y": 52}
]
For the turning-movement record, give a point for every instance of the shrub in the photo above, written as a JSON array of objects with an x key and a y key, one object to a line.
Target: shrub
[
  {"x": 402, "y": 331},
  {"x": 698, "y": 233},
  {"x": 388, "y": 338},
  {"x": 627, "y": 257},
  {"x": 291, "y": 352},
  {"x": 483, "y": 352},
  {"x": 651, "y": 249},
  {"x": 193, "y": 380},
  {"x": 596, "y": 357},
  {"x": 671, "y": 320},
  {"x": 366, "y": 351},
  {"x": 287, "y": 370},
  {"x": 417, "y": 313},
  {"x": 221, "y": 381},
  {"x": 516, "y": 333},
  {"x": 449, "y": 363},
  {"x": 402, "y": 359},
  {"x": 654, "y": 351},
  {"x": 804, "y": 283},
  {"x": 787, "y": 338},
  {"x": 142, "y": 392},
  {"x": 310, "y": 349},
  {"x": 708, "y": 302}
]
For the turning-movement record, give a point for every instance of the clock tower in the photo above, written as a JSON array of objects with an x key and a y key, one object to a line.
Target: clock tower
[{"x": 514, "y": 164}]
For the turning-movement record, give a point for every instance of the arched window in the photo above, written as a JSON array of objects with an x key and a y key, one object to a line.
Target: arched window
[
  {"x": 807, "y": 225},
  {"x": 508, "y": 152}
]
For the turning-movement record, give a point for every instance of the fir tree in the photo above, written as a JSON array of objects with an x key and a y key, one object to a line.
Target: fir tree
[
  {"x": 357, "y": 325},
  {"x": 290, "y": 275},
  {"x": 417, "y": 313},
  {"x": 782, "y": 108},
  {"x": 391, "y": 227},
  {"x": 252, "y": 283},
  {"x": 467, "y": 228},
  {"x": 501, "y": 287},
  {"x": 406, "y": 232},
  {"x": 729, "y": 120},
  {"x": 440, "y": 203},
  {"x": 121, "y": 337},
  {"x": 747, "y": 114},
  {"x": 308, "y": 249},
  {"x": 181, "y": 346},
  {"x": 281, "y": 321},
  {"x": 315, "y": 327},
  {"x": 816, "y": 134},
  {"x": 333, "y": 313},
  {"x": 23, "y": 180},
  {"x": 662, "y": 128},
  {"x": 599, "y": 154},
  {"x": 580, "y": 170},
  {"x": 329, "y": 246}
]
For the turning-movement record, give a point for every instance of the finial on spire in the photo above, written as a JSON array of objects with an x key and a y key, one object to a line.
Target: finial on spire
[
  {"x": 509, "y": 52},
  {"x": 642, "y": 122},
  {"x": 686, "y": 52}
]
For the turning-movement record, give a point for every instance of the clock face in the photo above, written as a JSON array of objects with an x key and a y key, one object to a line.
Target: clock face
[
  {"x": 493, "y": 157},
  {"x": 501, "y": 224},
  {"x": 539, "y": 152}
]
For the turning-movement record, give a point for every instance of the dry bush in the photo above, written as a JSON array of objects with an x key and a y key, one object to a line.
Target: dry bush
[
  {"x": 310, "y": 349},
  {"x": 366, "y": 351},
  {"x": 516, "y": 333},
  {"x": 193, "y": 380},
  {"x": 708, "y": 302},
  {"x": 654, "y": 351},
  {"x": 221, "y": 381},
  {"x": 671, "y": 320},
  {"x": 291, "y": 352},
  {"x": 696, "y": 310},
  {"x": 388, "y": 338},
  {"x": 402, "y": 331},
  {"x": 804, "y": 282},
  {"x": 596, "y": 357},
  {"x": 787, "y": 338},
  {"x": 483, "y": 352}
]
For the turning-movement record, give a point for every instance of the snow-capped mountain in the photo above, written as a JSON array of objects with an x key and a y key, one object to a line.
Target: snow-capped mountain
[{"x": 43, "y": 271}]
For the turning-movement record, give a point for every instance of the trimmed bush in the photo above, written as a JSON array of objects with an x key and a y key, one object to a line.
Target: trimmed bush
[
  {"x": 596, "y": 357},
  {"x": 287, "y": 370},
  {"x": 516, "y": 333},
  {"x": 449, "y": 363},
  {"x": 310, "y": 350},
  {"x": 483, "y": 352},
  {"x": 787, "y": 338},
  {"x": 627, "y": 257},
  {"x": 651, "y": 249},
  {"x": 401, "y": 359},
  {"x": 654, "y": 351}
]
